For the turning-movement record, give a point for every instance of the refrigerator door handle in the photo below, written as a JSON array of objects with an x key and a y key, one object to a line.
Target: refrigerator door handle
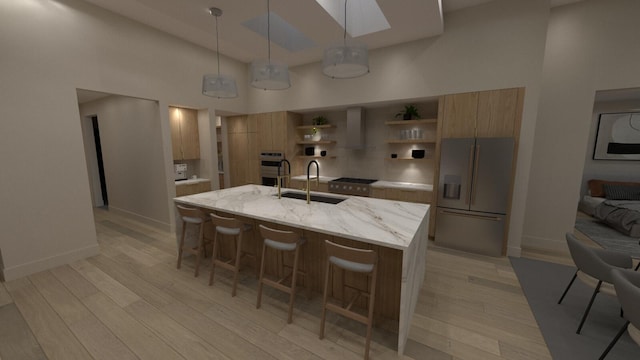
[
  {"x": 481, "y": 217},
  {"x": 474, "y": 186},
  {"x": 467, "y": 197}
]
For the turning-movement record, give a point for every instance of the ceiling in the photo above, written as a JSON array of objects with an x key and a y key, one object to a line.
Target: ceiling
[{"x": 191, "y": 21}]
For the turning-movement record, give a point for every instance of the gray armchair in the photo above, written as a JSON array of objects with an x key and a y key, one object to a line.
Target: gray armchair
[
  {"x": 597, "y": 264},
  {"x": 627, "y": 284}
]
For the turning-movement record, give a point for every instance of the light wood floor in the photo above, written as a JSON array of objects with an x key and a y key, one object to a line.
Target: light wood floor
[{"x": 130, "y": 302}]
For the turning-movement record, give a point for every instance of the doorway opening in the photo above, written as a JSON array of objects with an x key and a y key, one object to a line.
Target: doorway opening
[{"x": 103, "y": 181}]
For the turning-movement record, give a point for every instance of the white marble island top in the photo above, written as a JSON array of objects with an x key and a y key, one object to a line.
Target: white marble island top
[{"x": 386, "y": 223}]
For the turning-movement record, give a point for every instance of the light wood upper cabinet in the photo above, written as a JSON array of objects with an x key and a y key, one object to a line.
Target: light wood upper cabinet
[
  {"x": 185, "y": 140},
  {"x": 460, "y": 113},
  {"x": 494, "y": 113},
  {"x": 272, "y": 131},
  {"x": 176, "y": 141},
  {"x": 497, "y": 113}
]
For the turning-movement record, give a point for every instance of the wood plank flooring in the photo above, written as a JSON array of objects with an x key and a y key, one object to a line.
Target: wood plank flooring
[{"x": 130, "y": 302}]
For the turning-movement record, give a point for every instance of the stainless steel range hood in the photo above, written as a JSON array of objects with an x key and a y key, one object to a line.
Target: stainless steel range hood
[{"x": 355, "y": 128}]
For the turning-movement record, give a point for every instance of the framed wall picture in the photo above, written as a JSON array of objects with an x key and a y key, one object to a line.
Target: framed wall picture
[{"x": 618, "y": 137}]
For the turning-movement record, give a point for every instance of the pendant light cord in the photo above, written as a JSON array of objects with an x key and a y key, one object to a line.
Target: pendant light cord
[
  {"x": 269, "y": 31},
  {"x": 344, "y": 38},
  {"x": 217, "y": 46}
]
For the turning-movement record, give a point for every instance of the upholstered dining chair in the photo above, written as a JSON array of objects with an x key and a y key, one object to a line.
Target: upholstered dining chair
[
  {"x": 594, "y": 267},
  {"x": 627, "y": 285}
]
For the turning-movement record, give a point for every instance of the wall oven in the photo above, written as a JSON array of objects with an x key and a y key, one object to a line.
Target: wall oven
[{"x": 269, "y": 162}]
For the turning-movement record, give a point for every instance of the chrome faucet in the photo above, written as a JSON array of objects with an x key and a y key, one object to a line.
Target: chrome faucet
[
  {"x": 309, "y": 179},
  {"x": 280, "y": 178}
]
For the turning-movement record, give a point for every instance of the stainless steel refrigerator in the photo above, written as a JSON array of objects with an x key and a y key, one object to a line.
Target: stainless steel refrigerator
[{"x": 473, "y": 193}]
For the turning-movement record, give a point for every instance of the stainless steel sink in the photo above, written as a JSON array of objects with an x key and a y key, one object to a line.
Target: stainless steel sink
[{"x": 314, "y": 197}]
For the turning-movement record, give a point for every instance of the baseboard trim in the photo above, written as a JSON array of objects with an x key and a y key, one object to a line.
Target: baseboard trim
[
  {"x": 514, "y": 251},
  {"x": 147, "y": 220},
  {"x": 544, "y": 244},
  {"x": 33, "y": 267}
]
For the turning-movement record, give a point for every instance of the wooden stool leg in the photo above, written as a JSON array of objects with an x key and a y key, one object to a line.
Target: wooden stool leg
[
  {"x": 372, "y": 298},
  {"x": 324, "y": 299},
  {"x": 200, "y": 249},
  {"x": 181, "y": 245},
  {"x": 259, "y": 302},
  {"x": 216, "y": 241},
  {"x": 307, "y": 272},
  {"x": 256, "y": 257},
  {"x": 294, "y": 274},
  {"x": 236, "y": 270}
]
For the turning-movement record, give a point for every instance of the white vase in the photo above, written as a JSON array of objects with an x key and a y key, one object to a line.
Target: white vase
[{"x": 317, "y": 136}]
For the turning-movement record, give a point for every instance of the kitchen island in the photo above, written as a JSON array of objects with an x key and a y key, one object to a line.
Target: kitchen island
[{"x": 397, "y": 230}]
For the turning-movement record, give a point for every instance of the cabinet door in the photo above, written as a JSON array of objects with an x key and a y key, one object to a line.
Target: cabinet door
[
  {"x": 237, "y": 124},
  {"x": 297, "y": 184},
  {"x": 204, "y": 187},
  {"x": 378, "y": 193},
  {"x": 176, "y": 140},
  {"x": 497, "y": 113},
  {"x": 265, "y": 133},
  {"x": 279, "y": 131},
  {"x": 237, "y": 159},
  {"x": 460, "y": 112},
  {"x": 189, "y": 134},
  {"x": 253, "y": 159}
]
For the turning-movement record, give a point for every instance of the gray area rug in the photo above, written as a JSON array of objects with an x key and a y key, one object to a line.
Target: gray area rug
[
  {"x": 543, "y": 283},
  {"x": 608, "y": 237}
]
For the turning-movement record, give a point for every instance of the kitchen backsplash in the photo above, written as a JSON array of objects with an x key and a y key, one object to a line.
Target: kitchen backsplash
[{"x": 374, "y": 160}]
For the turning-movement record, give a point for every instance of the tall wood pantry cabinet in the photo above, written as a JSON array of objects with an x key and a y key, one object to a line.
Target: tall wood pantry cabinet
[{"x": 249, "y": 135}]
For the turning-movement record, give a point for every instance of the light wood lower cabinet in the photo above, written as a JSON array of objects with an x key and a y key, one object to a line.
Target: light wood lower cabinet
[
  {"x": 189, "y": 189},
  {"x": 416, "y": 196},
  {"x": 302, "y": 184}
]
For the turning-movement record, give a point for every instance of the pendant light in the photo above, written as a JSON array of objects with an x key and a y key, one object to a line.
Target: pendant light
[
  {"x": 268, "y": 74},
  {"x": 342, "y": 61},
  {"x": 218, "y": 86}
]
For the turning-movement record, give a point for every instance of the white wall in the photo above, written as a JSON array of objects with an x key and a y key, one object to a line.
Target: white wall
[
  {"x": 132, "y": 152},
  {"x": 49, "y": 49},
  {"x": 592, "y": 45}
]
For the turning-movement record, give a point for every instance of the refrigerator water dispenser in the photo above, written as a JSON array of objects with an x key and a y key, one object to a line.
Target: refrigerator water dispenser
[{"x": 451, "y": 187}]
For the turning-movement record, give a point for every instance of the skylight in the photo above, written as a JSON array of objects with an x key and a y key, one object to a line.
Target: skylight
[
  {"x": 365, "y": 16},
  {"x": 282, "y": 33}
]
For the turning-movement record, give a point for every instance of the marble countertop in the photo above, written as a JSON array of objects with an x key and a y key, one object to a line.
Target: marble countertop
[
  {"x": 402, "y": 185},
  {"x": 377, "y": 184},
  {"x": 191, "y": 181},
  {"x": 387, "y": 223}
]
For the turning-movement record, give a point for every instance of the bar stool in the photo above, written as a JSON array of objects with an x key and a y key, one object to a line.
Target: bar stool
[
  {"x": 355, "y": 260},
  {"x": 196, "y": 217},
  {"x": 234, "y": 228},
  {"x": 282, "y": 241}
]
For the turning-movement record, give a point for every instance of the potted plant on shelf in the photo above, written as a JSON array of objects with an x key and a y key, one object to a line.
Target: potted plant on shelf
[
  {"x": 319, "y": 120},
  {"x": 409, "y": 112}
]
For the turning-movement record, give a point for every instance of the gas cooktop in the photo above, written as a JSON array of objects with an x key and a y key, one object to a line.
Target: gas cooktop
[
  {"x": 354, "y": 180},
  {"x": 351, "y": 186}
]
